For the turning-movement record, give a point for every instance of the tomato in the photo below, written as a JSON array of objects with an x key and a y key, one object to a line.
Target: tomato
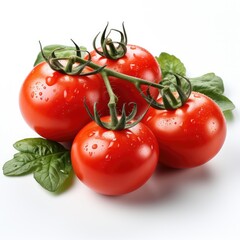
[
  {"x": 52, "y": 102},
  {"x": 137, "y": 62},
  {"x": 114, "y": 162},
  {"x": 190, "y": 135}
]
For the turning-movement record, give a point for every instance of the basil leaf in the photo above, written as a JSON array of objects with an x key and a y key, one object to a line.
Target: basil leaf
[
  {"x": 63, "y": 51},
  {"x": 49, "y": 161},
  {"x": 54, "y": 171},
  {"x": 170, "y": 63},
  {"x": 223, "y": 102},
  {"x": 212, "y": 86},
  {"x": 207, "y": 83},
  {"x": 21, "y": 164},
  {"x": 38, "y": 146}
]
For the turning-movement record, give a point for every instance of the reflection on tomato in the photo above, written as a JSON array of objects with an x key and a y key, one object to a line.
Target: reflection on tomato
[
  {"x": 114, "y": 162},
  {"x": 188, "y": 136},
  {"x": 52, "y": 102}
]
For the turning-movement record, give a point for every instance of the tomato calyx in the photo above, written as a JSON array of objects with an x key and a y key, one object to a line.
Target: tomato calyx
[
  {"x": 72, "y": 65},
  {"x": 174, "y": 88},
  {"x": 116, "y": 122},
  {"x": 109, "y": 48},
  {"x": 176, "y": 91}
]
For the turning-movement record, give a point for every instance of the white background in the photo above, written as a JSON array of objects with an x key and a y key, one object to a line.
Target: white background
[{"x": 201, "y": 203}]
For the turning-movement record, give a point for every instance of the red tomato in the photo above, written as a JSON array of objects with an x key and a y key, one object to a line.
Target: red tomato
[
  {"x": 114, "y": 162},
  {"x": 52, "y": 102},
  {"x": 188, "y": 136},
  {"x": 137, "y": 62}
]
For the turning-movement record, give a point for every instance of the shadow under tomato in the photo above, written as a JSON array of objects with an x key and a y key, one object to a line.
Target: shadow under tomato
[{"x": 165, "y": 184}]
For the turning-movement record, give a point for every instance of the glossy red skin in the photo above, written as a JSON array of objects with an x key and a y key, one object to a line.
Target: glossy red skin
[
  {"x": 191, "y": 135},
  {"x": 114, "y": 162},
  {"x": 137, "y": 62},
  {"x": 52, "y": 102}
]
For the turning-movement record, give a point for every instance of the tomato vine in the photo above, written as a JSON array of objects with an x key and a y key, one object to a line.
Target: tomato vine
[
  {"x": 187, "y": 123},
  {"x": 172, "y": 84}
]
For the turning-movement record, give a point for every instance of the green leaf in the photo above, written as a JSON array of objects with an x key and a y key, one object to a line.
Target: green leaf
[
  {"x": 170, "y": 63},
  {"x": 21, "y": 164},
  {"x": 213, "y": 87},
  {"x": 207, "y": 83},
  {"x": 49, "y": 161},
  {"x": 63, "y": 51},
  {"x": 38, "y": 146},
  {"x": 54, "y": 171},
  {"x": 223, "y": 102}
]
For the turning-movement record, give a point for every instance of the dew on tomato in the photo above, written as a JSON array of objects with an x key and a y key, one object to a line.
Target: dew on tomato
[
  {"x": 114, "y": 162},
  {"x": 191, "y": 135},
  {"x": 52, "y": 102},
  {"x": 50, "y": 80}
]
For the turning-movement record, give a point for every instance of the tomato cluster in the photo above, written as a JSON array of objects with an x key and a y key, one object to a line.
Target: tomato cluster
[{"x": 114, "y": 162}]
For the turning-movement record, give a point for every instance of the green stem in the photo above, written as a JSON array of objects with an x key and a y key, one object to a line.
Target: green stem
[
  {"x": 136, "y": 81},
  {"x": 112, "y": 48},
  {"x": 166, "y": 92},
  {"x": 68, "y": 67},
  {"x": 112, "y": 99}
]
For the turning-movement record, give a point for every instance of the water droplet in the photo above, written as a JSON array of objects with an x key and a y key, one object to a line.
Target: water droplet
[
  {"x": 40, "y": 93},
  {"x": 196, "y": 95},
  {"x": 32, "y": 94},
  {"x": 65, "y": 93},
  {"x": 46, "y": 99},
  {"x": 91, "y": 134},
  {"x": 90, "y": 154},
  {"x": 50, "y": 81},
  {"x": 76, "y": 91},
  {"x": 192, "y": 121},
  {"x": 68, "y": 96},
  {"x": 132, "y": 65},
  {"x": 111, "y": 144},
  {"x": 94, "y": 146}
]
